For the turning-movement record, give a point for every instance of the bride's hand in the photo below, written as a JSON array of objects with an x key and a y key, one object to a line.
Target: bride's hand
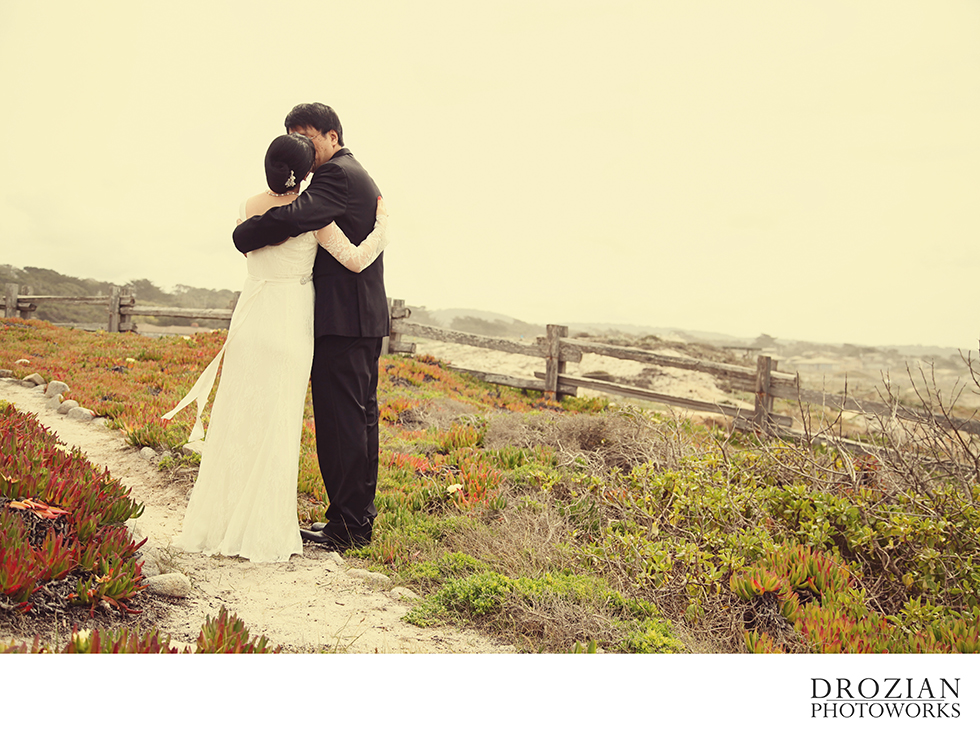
[{"x": 382, "y": 210}]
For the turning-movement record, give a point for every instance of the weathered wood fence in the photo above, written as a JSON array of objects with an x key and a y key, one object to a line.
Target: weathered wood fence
[
  {"x": 120, "y": 304},
  {"x": 556, "y": 349}
]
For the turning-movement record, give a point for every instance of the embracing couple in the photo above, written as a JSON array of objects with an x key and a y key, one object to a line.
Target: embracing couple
[{"x": 328, "y": 239}]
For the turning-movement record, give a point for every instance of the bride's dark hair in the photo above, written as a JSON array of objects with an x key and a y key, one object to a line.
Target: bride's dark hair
[{"x": 288, "y": 160}]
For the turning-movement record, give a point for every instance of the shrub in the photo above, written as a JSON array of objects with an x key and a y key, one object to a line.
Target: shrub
[
  {"x": 816, "y": 593},
  {"x": 546, "y": 612}
]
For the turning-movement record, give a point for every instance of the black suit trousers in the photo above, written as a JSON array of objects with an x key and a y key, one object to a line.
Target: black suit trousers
[{"x": 344, "y": 382}]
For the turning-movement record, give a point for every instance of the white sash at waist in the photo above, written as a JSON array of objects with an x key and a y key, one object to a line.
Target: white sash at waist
[
  {"x": 282, "y": 280},
  {"x": 205, "y": 382}
]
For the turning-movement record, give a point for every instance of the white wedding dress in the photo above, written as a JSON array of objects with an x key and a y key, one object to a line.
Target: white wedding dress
[{"x": 244, "y": 500}]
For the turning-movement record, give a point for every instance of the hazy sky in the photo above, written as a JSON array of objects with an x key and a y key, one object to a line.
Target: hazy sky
[{"x": 806, "y": 169}]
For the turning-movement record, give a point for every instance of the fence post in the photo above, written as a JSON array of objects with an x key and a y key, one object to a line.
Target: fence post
[
  {"x": 553, "y": 365},
  {"x": 27, "y": 311},
  {"x": 388, "y": 338},
  {"x": 10, "y": 300},
  {"x": 113, "y": 309},
  {"x": 393, "y": 343},
  {"x": 126, "y": 297},
  {"x": 763, "y": 397},
  {"x": 397, "y": 311}
]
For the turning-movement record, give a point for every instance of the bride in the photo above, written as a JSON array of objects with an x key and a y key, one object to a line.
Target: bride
[{"x": 244, "y": 500}]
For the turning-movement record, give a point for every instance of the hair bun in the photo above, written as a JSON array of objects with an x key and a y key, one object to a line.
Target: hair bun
[{"x": 288, "y": 160}]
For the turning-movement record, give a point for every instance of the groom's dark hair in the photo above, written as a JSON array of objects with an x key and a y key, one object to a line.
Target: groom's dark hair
[{"x": 318, "y": 116}]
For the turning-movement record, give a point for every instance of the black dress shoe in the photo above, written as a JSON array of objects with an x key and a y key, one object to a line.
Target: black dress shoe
[
  {"x": 338, "y": 534},
  {"x": 324, "y": 540}
]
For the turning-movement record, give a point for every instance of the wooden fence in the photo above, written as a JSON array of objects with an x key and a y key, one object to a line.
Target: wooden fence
[
  {"x": 120, "y": 304},
  {"x": 556, "y": 350},
  {"x": 765, "y": 382}
]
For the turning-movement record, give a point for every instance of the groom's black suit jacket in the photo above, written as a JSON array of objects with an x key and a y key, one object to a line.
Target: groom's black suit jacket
[{"x": 347, "y": 303}]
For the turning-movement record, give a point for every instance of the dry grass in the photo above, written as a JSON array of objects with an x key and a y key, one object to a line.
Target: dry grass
[
  {"x": 529, "y": 539},
  {"x": 620, "y": 439},
  {"x": 439, "y": 414}
]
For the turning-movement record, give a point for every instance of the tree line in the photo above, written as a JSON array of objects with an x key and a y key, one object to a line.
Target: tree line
[{"x": 49, "y": 282}]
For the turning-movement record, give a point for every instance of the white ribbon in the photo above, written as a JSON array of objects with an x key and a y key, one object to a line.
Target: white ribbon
[{"x": 205, "y": 382}]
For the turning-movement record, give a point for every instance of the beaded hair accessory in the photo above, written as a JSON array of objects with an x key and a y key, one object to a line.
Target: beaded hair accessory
[{"x": 291, "y": 183}]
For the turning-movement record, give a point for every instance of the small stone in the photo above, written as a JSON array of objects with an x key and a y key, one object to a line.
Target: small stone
[
  {"x": 39, "y": 389},
  {"x": 6, "y": 374},
  {"x": 55, "y": 387},
  {"x": 148, "y": 453},
  {"x": 81, "y": 414},
  {"x": 172, "y": 584},
  {"x": 403, "y": 593},
  {"x": 375, "y": 579},
  {"x": 36, "y": 379},
  {"x": 67, "y": 406},
  {"x": 54, "y": 402}
]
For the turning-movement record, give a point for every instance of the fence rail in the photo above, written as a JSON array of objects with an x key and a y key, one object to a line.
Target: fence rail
[
  {"x": 120, "y": 304},
  {"x": 557, "y": 350},
  {"x": 765, "y": 382}
]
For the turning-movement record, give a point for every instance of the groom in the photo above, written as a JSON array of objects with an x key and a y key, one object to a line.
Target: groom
[{"x": 350, "y": 321}]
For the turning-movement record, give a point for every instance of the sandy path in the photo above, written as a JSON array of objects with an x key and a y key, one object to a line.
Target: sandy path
[{"x": 308, "y": 604}]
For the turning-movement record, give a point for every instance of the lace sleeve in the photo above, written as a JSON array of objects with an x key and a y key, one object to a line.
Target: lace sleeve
[{"x": 356, "y": 258}]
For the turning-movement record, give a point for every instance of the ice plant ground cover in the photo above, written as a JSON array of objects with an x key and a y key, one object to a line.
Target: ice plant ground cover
[
  {"x": 583, "y": 525},
  {"x": 62, "y": 534},
  {"x": 131, "y": 379},
  {"x": 225, "y": 633}
]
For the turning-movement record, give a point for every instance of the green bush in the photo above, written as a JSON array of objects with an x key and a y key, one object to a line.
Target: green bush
[{"x": 490, "y": 597}]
